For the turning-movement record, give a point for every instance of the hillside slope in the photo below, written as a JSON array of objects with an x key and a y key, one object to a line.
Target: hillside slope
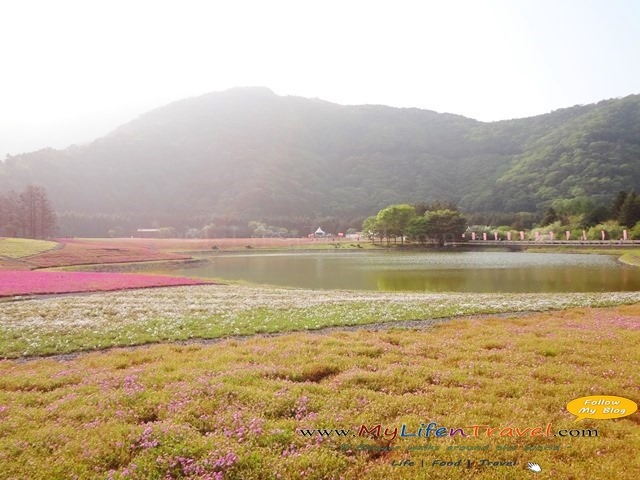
[{"x": 249, "y": 153}]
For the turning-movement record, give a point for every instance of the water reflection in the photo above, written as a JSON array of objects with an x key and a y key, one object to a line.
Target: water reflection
[{"x": 460, "y": 271}]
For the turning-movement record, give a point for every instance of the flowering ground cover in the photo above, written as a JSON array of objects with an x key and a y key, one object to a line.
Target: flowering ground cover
[
  {"x": 13, "y": 264},
  {"x": 185, "y": 244},
  {"x": 29, "y": 283},
  {"x": 236, "y": 409},
  {"x": 23, "y": 247},
  {"x": 77, "y": 253},
  {"x": 72, "y": 323}
]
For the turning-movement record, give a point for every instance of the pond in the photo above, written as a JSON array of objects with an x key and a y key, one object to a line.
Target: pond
[{"x": 434, "y": 271}]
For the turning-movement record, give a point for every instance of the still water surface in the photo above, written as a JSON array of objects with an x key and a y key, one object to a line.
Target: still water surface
[{"x": 439, "y": 271}]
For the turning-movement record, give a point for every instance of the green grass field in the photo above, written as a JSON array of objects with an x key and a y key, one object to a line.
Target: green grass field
[
  {"x": 23, "y": 247},
  {"x": 70, "y": 323},
  {"x": 234, "y": 409}
]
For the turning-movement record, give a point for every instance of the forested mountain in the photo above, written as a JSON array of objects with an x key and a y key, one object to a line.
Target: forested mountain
[{"x": 248, "y": 154}]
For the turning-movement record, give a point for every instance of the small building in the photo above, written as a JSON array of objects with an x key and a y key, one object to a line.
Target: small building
[{"x": 148, "y": 233}]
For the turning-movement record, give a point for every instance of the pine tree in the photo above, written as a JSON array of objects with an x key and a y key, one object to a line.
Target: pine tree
[
  {"x": 4, "y": 213},
  {"x": 36, "y": 218},
  {"x": 9, "y": 222},
  {"x": 47, "y": 217},
  {"x": 550, "y": 216},
  {"x": 616, "y": 206},
  {"x": 630, "y": 211}
]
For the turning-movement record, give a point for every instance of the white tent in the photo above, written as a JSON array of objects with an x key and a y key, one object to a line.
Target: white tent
[{"x": 319, "y": 232}]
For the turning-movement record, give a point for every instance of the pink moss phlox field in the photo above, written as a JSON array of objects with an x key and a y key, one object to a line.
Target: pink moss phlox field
[
  {"x": 76, "y": 253},
  {"x": 604, "y": 323},
  {"x": 28, "y": 283}
]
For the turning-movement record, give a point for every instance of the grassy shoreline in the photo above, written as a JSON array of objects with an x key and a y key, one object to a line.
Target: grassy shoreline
[
  {"x": 45, "y": 326},
  {"x": 631, "y": 258}
]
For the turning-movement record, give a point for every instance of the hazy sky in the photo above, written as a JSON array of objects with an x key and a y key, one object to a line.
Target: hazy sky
[{"x": 72, "y": 70}]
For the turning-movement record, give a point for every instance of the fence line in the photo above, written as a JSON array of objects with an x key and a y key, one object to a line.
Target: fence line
[{"x": 616, "y": 243}]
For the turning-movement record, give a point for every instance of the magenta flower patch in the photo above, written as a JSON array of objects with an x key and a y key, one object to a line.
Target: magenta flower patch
[{"x": 31, "y": 283}]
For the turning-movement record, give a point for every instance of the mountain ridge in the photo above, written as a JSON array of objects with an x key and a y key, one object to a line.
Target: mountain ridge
[{"x": 249, "y": 153}]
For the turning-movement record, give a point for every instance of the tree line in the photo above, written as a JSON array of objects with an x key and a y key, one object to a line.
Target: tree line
[
  {"x": 578, "y": 215},
  {"x": 197, "y": 225},
  {"x": 27, "y": 214},
  {"x": 435, "y": 223},
  {"x": 441, "y": 221}
]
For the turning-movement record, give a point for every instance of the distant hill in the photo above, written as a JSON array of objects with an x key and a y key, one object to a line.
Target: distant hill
[{"x": 247, "y": 153}]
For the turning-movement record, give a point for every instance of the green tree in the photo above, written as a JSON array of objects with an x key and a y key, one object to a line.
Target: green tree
[
  {"x": 616, "y": 206},
  {"x": 421, "y": 208},
  {"x": 36, "y": 217},
  {"x": 598, "y": 214},
  {"x": 445, "y": 223},
  {"x": 442, "y": 205},
  {"x": 630, "y": 210},
  {"x": 612, "y": 230},
  {"x": 419, "y": 229},
  {"x": 395, "y": 219},
  {"x": 370, "y": 227},
  {"x": 550, "y": 216},
  {"x": 8, "y": 211}
]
